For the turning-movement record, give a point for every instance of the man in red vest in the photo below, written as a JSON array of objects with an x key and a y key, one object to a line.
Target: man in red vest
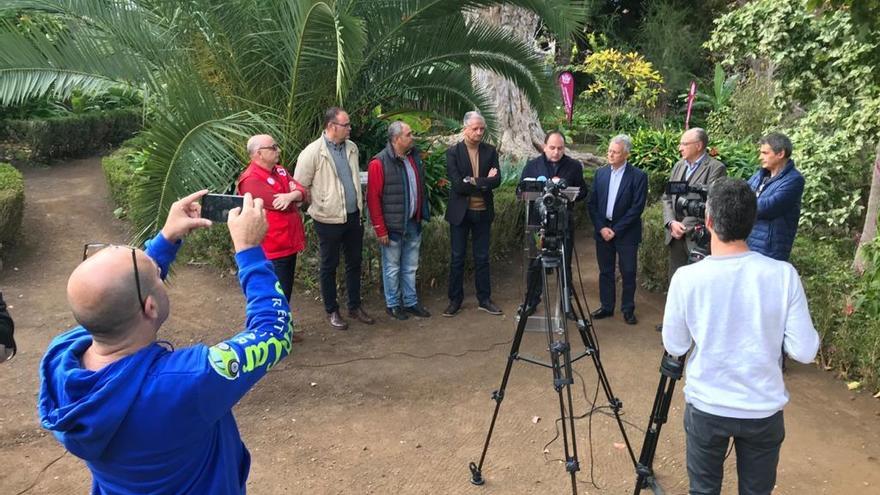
[{"x": 264, "y": 178}]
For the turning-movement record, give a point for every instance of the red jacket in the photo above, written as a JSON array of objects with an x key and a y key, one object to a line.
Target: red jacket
[{"x": 286, "y": 235}]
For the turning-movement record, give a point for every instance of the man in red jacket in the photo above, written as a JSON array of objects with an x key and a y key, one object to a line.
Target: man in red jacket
[{"x": 264, "y": 178}]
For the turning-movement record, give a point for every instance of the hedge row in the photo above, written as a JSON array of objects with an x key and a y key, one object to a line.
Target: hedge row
[
  {"x": 11, "y": 203},
  {"x": 68, "y": 136}
]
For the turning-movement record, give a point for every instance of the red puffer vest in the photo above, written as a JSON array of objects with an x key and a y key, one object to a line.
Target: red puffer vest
[{"x": 286, "y": 235}]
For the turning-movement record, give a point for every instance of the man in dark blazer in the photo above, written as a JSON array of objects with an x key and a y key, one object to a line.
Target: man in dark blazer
[
  {"x": 554, "y": 164},
  {"x": 698, "y": 169},
  {"x": 615, "y": 206},
  {"x": 473, "y": 172}
]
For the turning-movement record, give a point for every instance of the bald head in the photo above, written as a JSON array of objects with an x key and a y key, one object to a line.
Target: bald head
[{"x": 102, "y": 292}]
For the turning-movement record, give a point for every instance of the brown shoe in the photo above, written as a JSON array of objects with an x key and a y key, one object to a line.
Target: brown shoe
[
  {"x": 360, "y": 315},
  {"x": 336, "y": 321}
]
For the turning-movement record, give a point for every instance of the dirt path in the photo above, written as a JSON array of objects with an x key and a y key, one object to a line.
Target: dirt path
[{"x": 368, "y": 411}]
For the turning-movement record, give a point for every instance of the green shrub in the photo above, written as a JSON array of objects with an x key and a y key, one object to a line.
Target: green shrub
[
  {"x": 11, "y": 203},
  {"x": 653, "y": 254},
  {"x": 211, "y": 246},
  {"x": 847, "y": 321},
  {"x": 73, "y": 135}
]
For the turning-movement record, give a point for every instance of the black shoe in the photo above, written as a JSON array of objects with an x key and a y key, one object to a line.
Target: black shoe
[
  {"x": 490, "y": 307},
  {"x": 601, "y": 313},
  {"x": 630, "y": 318},
  {"x": 417, "y": 310},
  {"x": 452, "y": 309},
  {"x": 659, "y": 327},
  {"x": 397, "y": 313}
]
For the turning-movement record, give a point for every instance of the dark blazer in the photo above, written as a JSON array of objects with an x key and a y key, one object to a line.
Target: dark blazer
[
  {"x": 626, "y": 220},
  {"x": 779, "y": 209},
  {"x": 708, "y": 172},
  {"x": 458, "y": 166}
]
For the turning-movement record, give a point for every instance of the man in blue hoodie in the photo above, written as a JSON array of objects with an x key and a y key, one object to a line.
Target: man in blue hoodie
[{"x": 147, "y": 419}]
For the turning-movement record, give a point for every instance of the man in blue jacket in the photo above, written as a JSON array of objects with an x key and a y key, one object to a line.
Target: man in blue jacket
[
  {"x": 615, "y": 207},
  {"x": 147, "y": 419},
  {"x": 779, "y": 187}
]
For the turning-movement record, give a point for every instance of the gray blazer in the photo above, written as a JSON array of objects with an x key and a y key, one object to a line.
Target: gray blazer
[{"x": 706, "y": 173}]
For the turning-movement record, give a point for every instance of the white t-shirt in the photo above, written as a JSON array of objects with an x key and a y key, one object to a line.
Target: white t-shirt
[{"x": 739, "y": 311}]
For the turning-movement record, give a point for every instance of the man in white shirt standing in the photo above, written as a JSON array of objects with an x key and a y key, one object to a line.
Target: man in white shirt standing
[{"x": 739, "y": 309}]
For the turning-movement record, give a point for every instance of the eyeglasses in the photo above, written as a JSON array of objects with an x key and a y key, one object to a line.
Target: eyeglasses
[
  {"x": 93, "y": 247},
  {"x": 347, "y": 125},
  {"x": 274, "y": 147}
]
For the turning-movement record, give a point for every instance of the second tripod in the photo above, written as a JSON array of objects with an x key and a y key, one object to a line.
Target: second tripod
[{"x": 560, "y": 348}]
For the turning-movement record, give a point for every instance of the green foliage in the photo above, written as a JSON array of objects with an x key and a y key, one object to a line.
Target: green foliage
[
  {"x": 653, "y": 253},
  {"x": 671, "y": 37},
  {"x": 214, "y": 76},
  {"x": 849, "y": 328},
  {"x": 73, "y": 135},
  {"x": 120, "y": 169},
  {"x": 592, "y": 123},
  {"x": 11, "y": 203},
  {"x": 748, "y": 111},
  {"x": 622, "y": 80},
  {"x": 825, "y": 70},
  {"x": 722, "y": 86}
]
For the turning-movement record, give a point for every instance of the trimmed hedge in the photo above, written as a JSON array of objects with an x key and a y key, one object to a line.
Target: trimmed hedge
[
  {"x": 11, "y": 203},
  {"x": 653, "y": 253},
  {"x": 71, "y": 136}
]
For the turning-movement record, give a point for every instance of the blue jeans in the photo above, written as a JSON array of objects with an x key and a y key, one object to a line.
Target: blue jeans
[{"x": 400, "y": 260}]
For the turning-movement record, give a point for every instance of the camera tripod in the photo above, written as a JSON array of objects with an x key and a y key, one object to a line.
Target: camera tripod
[
  {"x": 559, "y": 346},
  {"x": 671, "y": 370}
]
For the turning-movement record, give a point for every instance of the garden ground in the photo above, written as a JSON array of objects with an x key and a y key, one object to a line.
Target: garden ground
[{"x": 399, "y": 407}]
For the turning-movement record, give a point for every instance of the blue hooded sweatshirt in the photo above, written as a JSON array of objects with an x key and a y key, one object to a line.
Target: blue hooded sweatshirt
[{"x": 160, "y": 421}]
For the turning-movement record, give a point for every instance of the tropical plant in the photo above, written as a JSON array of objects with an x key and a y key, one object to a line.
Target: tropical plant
[
  {"x": 216, "y": 72},
  {"x": 621, "y": 82}
]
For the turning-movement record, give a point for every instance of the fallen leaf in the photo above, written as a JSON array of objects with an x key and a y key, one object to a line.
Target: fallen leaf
[
  {"x": 535, "y": 419},
  {"x": 853, "y": 385}
]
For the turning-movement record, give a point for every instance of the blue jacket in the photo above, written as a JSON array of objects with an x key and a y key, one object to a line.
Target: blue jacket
[
  {"x": 626, "y": 221},
  {"x": 779, "y": 209},
  {"x": 160, "y": 421}
]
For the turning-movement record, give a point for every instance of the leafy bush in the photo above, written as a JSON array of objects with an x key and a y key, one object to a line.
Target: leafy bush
[
  {"x": 653, "y": 254},
  {"x": 843, "y": 306},
  {"x": 73, "y": 135},
  {"x": 11, "y": 203},
  {"x": 592, "y": 123},
  {"x": 622, "y": 80}
]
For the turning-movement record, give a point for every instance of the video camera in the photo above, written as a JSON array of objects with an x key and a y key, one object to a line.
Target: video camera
[
  {"x": 552, "y": 210},
  {"x": 690, "y": 201}
]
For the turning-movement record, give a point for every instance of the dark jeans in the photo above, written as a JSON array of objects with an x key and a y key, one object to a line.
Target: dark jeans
[
  {"x": 535, "y": 282},
  {"x": 477, "y": 226},
  {"x": 349, "y": 237},
  {"x": 757, "y": 443},
  {"x": 626, "y": 256},
  {"x": 285, "y": 268}
]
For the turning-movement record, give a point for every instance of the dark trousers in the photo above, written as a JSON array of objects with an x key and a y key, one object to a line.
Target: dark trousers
[
  {"x": 285, "y": 268},
  {"x": 477, "y": 226},
  {"x": 349, "y": 237},
  {"x": 678, "y": 255},
  {"x": 535, "y": 282},
  {"x": 757, "y": 443},
  {"x": 626, "y": 256}
]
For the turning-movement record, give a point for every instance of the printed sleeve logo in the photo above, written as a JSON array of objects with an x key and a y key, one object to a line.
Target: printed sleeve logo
[{"x": 225, "y": 361}]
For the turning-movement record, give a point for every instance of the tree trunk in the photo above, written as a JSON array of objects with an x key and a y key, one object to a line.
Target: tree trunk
[
  {"x": 519, "y": 131},
  {"x": 869, "y": 232}
]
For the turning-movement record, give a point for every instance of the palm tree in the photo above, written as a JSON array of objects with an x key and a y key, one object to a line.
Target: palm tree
[{"x": 214, "y": 73}]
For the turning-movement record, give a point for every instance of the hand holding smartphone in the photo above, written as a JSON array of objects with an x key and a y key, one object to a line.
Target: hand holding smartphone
[{"x": 215, "y": 207}]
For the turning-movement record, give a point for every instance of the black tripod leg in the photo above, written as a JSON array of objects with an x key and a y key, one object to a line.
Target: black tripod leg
[
  {"x": 498, "y": 397},
  {"x": 585, "y": 330},
  {"x": 560, "y": 353},
  {"x": 671, "y": 370}
]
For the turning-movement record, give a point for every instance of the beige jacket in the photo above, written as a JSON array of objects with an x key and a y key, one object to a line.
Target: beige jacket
[{"x": 316, "y": 171}]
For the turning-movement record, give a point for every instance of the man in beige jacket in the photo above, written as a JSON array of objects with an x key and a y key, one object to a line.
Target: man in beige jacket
[{"x": 329, "y": 169}]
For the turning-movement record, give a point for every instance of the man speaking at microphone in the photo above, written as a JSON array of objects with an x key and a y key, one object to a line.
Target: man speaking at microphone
[{"x": 554, "y": 164}]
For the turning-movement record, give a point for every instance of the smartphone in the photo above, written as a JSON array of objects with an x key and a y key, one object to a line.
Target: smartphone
[{"x": 215, "y": 207}]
